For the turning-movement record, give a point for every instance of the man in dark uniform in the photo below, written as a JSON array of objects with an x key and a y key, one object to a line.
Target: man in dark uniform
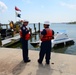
[
  {"x": 23, "y": 33},
  {"x": 45, "y": 49}
]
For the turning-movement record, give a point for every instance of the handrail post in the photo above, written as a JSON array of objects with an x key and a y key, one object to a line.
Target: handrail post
[
  {"x": 0, "y": 40},
  {"x": 39, "y": 27}
]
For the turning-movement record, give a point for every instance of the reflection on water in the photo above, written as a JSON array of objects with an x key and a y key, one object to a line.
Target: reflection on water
[{"x": 60, "y": 50}]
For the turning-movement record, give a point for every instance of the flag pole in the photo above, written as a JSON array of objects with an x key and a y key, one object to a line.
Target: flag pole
[{"x": 15, "y": 16}]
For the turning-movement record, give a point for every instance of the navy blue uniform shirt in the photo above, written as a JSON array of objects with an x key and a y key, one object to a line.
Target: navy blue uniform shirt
[{"x": 24, "y": 30}]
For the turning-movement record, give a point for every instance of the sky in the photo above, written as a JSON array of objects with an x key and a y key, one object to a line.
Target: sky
[{"x": 35, "y": 11}]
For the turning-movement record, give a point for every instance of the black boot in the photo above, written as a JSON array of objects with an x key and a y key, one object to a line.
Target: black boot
[
  {"x": 39, "y": 61},
  {"x": 26, "y": 61}
]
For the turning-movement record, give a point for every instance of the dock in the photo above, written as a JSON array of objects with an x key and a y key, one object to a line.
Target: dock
[
  {"x": 11, "y": 63},
  {"x": 12, "y": 39}
]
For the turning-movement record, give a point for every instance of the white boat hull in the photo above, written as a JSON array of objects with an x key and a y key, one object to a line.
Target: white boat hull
[{"x": 58, "y": 39}]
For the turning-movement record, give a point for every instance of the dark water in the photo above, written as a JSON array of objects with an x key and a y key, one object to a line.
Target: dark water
[{"x": 70, "y": 29}]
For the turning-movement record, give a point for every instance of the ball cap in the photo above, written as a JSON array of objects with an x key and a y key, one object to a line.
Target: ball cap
[{"x": 47, "y": 23}]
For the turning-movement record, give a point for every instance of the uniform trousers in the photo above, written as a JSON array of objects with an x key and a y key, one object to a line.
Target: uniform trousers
[
  {"x": 24, "y": 49},
  {"x": 45, "y": 50}
]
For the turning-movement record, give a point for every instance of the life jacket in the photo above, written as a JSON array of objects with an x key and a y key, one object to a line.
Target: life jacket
[
  {"x": 27, "y": 36},
  {"x": 48, "y": 35}
]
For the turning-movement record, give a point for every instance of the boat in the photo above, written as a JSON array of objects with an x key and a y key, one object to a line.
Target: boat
[
  {"x": 60, "y": 39},
  {"x": 35, "y": 43}
]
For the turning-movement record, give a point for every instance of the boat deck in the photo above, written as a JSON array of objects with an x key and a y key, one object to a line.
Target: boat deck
[{"x": 6, "y": 41}]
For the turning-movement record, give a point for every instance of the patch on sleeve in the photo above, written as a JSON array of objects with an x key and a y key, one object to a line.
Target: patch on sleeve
[{"x": 23, "y": 28}]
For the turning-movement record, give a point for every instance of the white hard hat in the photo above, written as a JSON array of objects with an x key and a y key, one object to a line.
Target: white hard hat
[
  {"x": 47, "y": 22},
  {"x": 25, "y": 21}
]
